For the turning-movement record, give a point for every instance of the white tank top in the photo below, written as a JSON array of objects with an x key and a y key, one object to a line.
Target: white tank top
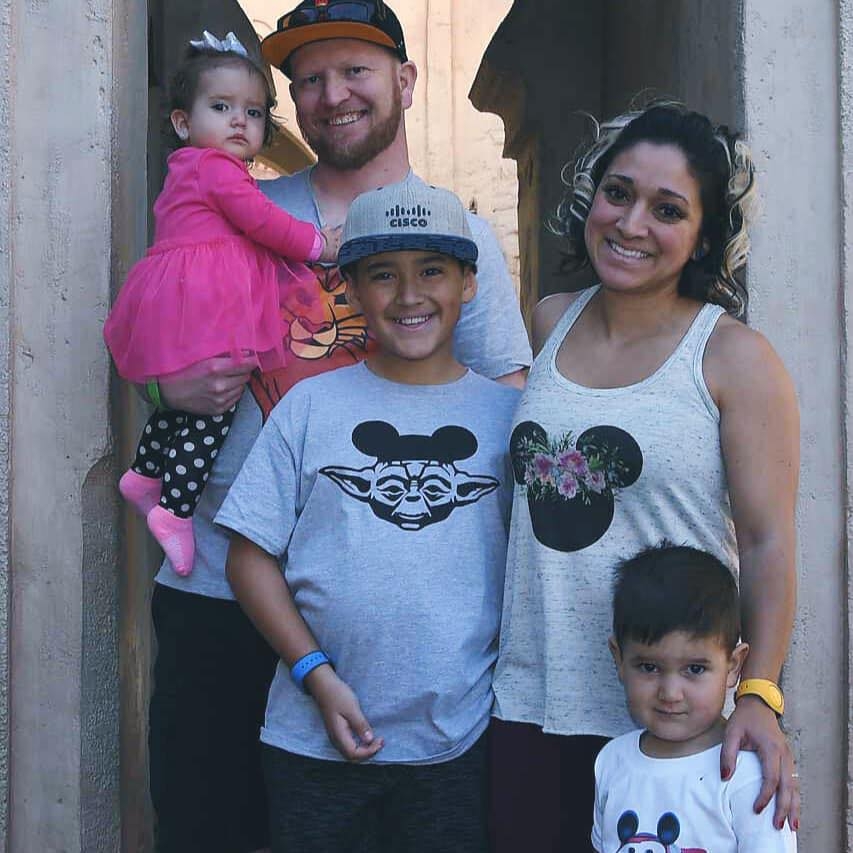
[{"x": 601, "y": 473}]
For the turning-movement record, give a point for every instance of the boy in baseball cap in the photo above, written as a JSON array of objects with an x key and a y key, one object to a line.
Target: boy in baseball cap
[{"x": 369, "y": 533}]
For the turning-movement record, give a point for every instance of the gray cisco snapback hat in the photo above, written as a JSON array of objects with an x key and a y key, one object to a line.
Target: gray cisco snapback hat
[{"x": 410, "y": 215}]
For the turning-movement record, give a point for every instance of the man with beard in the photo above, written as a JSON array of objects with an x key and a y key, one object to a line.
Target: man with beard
[{"x": 352, "y": 82}]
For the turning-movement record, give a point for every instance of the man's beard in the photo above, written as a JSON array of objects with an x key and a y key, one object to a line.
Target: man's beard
[{"x": 359, "y": 153}]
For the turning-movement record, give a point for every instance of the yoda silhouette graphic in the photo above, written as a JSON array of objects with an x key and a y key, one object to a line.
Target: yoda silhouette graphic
[{"x": 414, "y": 481}]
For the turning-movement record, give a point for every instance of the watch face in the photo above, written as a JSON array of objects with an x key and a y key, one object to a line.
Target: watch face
[{"x": 765, "y": 690}]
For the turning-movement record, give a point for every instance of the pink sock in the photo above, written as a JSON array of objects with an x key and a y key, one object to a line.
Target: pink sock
[
  {"x": 142, "y": 492},
  {"x": 175, "y": 536}
]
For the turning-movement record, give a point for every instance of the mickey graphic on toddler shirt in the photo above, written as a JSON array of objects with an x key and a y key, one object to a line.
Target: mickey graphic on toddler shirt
[
  {"x": 668, "y": 830},
  {"x": 414, "y": 481}
]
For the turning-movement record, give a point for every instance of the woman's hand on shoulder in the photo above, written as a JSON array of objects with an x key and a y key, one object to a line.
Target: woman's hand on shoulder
[
  {"x": 545, "y": 316},
  {"x": 753, "y": 726}
]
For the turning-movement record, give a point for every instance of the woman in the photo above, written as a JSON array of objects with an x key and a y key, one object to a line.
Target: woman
[{"x": 650, "y": 413}]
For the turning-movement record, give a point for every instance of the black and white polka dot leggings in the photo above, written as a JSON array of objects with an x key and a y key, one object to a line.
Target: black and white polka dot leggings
[{"x": 181, "y": 448}]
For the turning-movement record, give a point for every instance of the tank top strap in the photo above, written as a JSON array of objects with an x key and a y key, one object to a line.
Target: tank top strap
[
  {"x": 561, "y": 329},
  {"x": 691, "y": 350}
]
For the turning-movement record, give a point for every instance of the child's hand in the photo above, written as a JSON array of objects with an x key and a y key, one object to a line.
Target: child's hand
[
  {"x": 332, "y": 236},
  {"x": 345, "y": 723}
]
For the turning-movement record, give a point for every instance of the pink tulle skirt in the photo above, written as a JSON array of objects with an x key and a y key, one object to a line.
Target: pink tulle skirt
[{"x": 185, "y": 302}]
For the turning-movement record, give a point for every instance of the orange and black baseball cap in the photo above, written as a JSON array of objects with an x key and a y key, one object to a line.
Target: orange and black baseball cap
[{"x": 316, "y": 20}]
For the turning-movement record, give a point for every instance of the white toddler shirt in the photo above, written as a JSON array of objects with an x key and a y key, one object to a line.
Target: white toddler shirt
[{"x": 680, "y": 805}]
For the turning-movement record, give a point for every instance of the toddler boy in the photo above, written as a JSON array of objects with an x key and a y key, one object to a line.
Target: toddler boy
[
  {"x": 370, "y": 531},
  {"x": 675, "y": 643}
]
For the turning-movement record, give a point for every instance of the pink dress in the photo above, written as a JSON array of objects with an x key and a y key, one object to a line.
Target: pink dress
[{"x": 211, "y": 283}]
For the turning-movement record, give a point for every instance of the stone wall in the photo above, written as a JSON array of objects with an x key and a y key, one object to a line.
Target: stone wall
[{"x": 62, "y": 153}]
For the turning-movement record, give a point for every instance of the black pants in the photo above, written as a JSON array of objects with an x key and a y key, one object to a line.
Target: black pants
[
  {"x": 181, "y": 448},
  {"x": 211, "y": 678},
  {"x": 335, "y": 807},
  {"x": 542, "y": 789}
]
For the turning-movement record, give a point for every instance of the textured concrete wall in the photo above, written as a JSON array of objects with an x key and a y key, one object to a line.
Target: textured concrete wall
[
  {"x": 845, "y": 42},
  {"x": 6, "y": 277},
  {"x": 64, "y": 705},
  {"x": 687, "y": 50},
  {"x": 790, "y": 84},
  {"x": 450, "y": 143}
]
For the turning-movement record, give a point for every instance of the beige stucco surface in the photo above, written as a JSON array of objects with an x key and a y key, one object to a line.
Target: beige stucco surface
[
  {"x": 845, "y": 40},
  {"x": 791, "y": 103},
  {"x": 62, "y": 166},
  {"x": 5, "y": 294},
  {"x": 451, "y": 144}
]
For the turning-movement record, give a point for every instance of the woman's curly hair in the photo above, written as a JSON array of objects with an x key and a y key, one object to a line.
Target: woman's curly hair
[{"x": 722, "y": 164}]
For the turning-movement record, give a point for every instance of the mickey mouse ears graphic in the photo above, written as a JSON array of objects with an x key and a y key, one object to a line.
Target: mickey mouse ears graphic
[{"x": 380, "y": 439}]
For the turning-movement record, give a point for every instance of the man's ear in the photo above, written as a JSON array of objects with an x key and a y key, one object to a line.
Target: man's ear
[
  {"x": 469, "y": 285},
  {"x": 181, "y": 122},
  {"x": 617, "y": 654},
  {"x": 408, "y": 75},
  {"x": 736, "y": 662}
]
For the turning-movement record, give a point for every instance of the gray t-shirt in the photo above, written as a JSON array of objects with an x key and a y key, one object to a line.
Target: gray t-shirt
[
  {"x": 490, "y": 339},
  {"x": 388, "y": 505}
]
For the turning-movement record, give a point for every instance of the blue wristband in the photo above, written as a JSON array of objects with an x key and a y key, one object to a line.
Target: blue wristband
[{"x": 307, "y": 663}]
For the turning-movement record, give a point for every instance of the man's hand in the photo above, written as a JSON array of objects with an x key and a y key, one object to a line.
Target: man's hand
[
  {"x": 345, "y": 723},
  {"x": 209, "y": 387},
  {"x": 754, "y": 726}
]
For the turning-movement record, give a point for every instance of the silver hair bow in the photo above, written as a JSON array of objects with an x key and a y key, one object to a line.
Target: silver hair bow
[{"x": 230, "y": 44}]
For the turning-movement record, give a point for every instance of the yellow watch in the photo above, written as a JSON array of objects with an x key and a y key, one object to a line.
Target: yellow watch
[{"x": 766, "y": 690}]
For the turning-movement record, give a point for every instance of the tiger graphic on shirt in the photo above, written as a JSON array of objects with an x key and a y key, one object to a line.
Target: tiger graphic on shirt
[{"x": 321, "y": 331}]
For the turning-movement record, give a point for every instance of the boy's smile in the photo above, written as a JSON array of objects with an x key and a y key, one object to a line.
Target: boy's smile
[
  {"x": 676, "y": 688},
  {"x": 411, "y": 301}
]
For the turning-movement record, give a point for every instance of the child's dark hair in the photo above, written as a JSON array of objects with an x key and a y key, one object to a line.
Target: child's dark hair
[
  {"x": 718, "y": 159},
  {"x": 675, "y": 588},
  {"x": 184, "y": 84}
]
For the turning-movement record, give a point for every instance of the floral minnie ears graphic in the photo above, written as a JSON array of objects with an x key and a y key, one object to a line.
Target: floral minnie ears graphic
[{"x": 572, "y": 485}]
